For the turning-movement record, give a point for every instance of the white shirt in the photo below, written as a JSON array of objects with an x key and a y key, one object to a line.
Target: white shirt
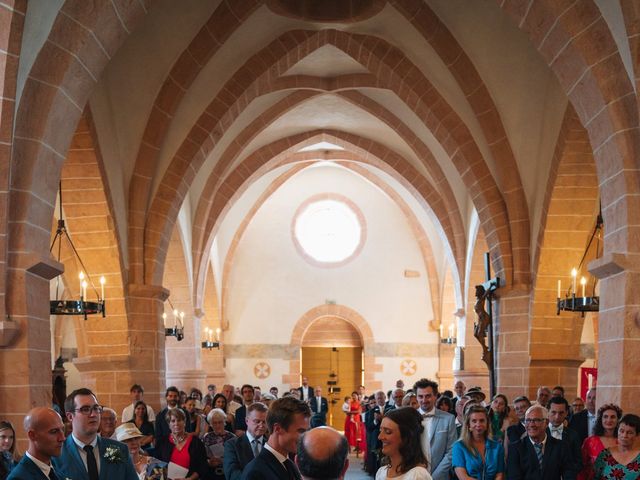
[
  {"x": 556, "y": 432},
  {"x": 127, "y": 413},
  {"x": 319, "y": 403},
  {"x": 233, "y": 406},
  {"x": 251, "y": 438},
  {"x": 83, "y": 454},
  {"x": 41, "y": 465},
  {"x": 591, "y": 422}
]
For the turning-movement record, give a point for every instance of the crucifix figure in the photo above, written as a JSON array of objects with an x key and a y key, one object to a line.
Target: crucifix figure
[{"x": 483, "y": 328}]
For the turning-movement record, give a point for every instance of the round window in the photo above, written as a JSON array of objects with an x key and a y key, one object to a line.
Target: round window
[{"x": 328, "y": 230}]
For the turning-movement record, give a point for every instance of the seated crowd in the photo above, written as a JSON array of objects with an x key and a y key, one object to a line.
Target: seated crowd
[{"x": 417, "y": 434}]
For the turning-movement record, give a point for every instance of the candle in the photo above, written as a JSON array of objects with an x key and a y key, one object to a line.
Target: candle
[
  {"x": 583, "y": 282},
  {"x": 451, "y": 330},
  {"x": 102, "y": 282},
  {"x": 181, "y": 319},
  {"x": 574, "y": 275},
  {"x": 84, "y": 289},
  {"x": 210, "y": 334},
  {"x": 441, "y": 330},
  {"x": 164, "y": 319},
  {"x": 81, "y": 277},
  {"x": 559, "y": 288},
  {"x": 217, "y": 334}
]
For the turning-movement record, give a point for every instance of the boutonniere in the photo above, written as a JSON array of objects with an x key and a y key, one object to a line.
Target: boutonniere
[{"x": 113, "y": 455}]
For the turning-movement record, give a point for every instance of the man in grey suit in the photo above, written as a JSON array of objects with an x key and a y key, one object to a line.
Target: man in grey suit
[
  {"x": 439, "y": 430},
  {"x": 239, "y": 451},
  {"x": 46, "y": 435},
  {"x": 85, "y": 455}
]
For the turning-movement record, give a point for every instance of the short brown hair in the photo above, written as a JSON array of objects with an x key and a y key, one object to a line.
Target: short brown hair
[
  {"x": 282, "y": 411},
  {"x": 175, "y": 412}
]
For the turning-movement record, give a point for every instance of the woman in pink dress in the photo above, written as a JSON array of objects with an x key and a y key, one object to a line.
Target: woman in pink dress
[{"x": 604, "y": 436}]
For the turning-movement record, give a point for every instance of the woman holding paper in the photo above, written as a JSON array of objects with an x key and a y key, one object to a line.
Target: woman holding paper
[
  {"x": 185, "y": 453},
  {"x": 214, "y": 442}
]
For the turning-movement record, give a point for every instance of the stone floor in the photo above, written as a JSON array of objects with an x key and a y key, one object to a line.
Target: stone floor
[{"x": 355, "y": 471}]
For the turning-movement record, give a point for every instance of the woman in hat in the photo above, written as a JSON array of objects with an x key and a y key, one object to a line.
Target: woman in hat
[{"x": 147, "y": 468}]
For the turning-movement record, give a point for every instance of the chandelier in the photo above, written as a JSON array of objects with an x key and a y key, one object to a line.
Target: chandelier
[
  {"x": 82, "y": 306},
  {"x": 177, "y": 330}
]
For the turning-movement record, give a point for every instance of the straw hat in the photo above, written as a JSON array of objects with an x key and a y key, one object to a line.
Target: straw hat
[{"x": 127, "y": 431}]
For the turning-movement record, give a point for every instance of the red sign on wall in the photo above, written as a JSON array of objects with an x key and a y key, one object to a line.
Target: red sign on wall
[{"x": 588, "y": 378}]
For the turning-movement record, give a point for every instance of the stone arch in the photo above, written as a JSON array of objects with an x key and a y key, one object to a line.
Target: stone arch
[
  {"x": 449, "y": 129},
  {"x": 579, "y": 48},
  {"x": 568, "y": 217},
  {"x": 84, "y": 36},
  {"x": 420, "y": 235},
  {"x": 263, "y": 160},
  {"x": 349, "y": 315}
]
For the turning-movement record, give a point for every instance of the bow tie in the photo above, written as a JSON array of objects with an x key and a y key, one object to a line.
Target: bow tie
[
  {"x": 428, "y": 415},
  {"x": 556, "y": 429}
]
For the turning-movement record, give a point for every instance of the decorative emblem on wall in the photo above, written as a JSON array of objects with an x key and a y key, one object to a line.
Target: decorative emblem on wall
[
  {"x": 408, "y": 367},
  {"x": 262, "y": 370}
]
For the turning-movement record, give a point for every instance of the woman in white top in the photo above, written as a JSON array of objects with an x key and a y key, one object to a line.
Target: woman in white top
[{"x": 400, "y": 433}]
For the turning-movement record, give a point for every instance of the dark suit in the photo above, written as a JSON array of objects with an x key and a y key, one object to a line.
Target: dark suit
[
  {"x": 515, "y": 432},
  {"x": 72, "y": 465},
  {"x": 573, "y": 443},
  {"x": 197, "y": 454},
  {"x": 237, "y": 455},
  {"x": 373, "y": 443},
  {"x": 241, "y": 419},
  {"x": 27, "y": 470},
  {"x": 580, "y": 424},
  {"x": 265, "y": 467},
  {"x": 522, "y": 462},
  {"x": 309, "y": 392},
  {"x": 319, "y": 417}
]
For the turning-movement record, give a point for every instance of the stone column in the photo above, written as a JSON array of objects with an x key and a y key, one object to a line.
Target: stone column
[
  {"x": 184, "y": 361},
  {"x": 619, "y": 330},
  {"x": 25, "y": 360}
]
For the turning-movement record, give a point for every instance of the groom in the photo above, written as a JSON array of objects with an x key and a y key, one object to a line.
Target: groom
[{"x": 85, "y": 455}]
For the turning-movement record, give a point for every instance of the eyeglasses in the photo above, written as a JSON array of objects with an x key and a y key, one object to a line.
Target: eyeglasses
[
  {"x": 534, "y": 420},
  {"x": 86, "y": 410}
]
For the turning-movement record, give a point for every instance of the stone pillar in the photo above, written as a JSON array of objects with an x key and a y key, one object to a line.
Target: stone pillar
[
  {"x": 511, "y": 344},
  {"x": 184, "y": 364},
  {"x": 619, "y": 330},
  {"x": 25, "y": 361}
]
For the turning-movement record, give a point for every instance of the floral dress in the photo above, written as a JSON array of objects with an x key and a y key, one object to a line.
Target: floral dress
[{"x": 606, "y": 467}]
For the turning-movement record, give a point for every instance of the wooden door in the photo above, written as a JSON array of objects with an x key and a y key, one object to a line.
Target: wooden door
[{"x": 342, "y": 365}]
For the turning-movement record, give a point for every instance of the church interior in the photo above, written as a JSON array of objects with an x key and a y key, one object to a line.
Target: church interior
[{"x": 257, "y": 190}]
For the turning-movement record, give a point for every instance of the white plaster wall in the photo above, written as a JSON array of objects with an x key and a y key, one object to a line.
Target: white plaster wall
[
  {"x": 272, "y": 286},
  {"x": 241, "y": 371},
  {"x": 392, "y": 370}
]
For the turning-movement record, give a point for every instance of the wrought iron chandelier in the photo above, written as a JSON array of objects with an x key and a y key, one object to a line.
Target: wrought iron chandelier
[{"x": 82, "y": 307}]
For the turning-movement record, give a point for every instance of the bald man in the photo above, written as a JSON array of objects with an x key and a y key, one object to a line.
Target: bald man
[
  {"x": 322, "y": 453},
  {"x": 45, "y": 431}
]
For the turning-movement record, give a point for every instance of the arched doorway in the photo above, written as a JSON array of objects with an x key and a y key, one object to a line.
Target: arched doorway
[{"x": 332, "y": 359}]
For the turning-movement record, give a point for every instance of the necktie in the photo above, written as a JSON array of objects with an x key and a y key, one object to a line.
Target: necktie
[
  {"x": 92, "y": 466},
  {"x": 291, "y": 470},
  {"x": 556, "y": 432},
  {"x": 52, "y": 475},
  {"x": 256, "y": 447},
  {"x": 538, "y": 449}
]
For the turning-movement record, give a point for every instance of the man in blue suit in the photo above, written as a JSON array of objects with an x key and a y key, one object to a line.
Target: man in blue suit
[
  {"x": 85, "y": 455},
  {"x": 45, "y": 430},
  {"x": 439, "y": 430}
]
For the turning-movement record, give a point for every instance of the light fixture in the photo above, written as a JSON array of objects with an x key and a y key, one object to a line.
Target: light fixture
[
  {"x": 209, "y": 343},
  {"x": 75, "y": 307},
  {"x": 178, "y": 324},
  {"x": 451, "y": 338},
  {"x": 583, "y": 303}
]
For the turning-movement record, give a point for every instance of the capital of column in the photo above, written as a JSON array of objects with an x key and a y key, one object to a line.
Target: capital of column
[{"x": 613, "y": 263}]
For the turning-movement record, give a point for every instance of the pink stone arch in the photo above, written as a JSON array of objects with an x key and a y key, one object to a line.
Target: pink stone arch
[{"x": 352, "y": 317}]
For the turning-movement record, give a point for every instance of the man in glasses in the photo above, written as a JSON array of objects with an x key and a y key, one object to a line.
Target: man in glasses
[
  {"x": 538, "y": 456},
  {"x": 85, "y": 455}
]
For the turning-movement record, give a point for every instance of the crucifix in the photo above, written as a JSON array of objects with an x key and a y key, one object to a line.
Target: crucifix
[{"x": 483, "y": 328}]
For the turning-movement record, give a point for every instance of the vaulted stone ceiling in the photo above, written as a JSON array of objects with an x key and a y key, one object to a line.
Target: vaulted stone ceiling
[{"x": 448, "y": 98}]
